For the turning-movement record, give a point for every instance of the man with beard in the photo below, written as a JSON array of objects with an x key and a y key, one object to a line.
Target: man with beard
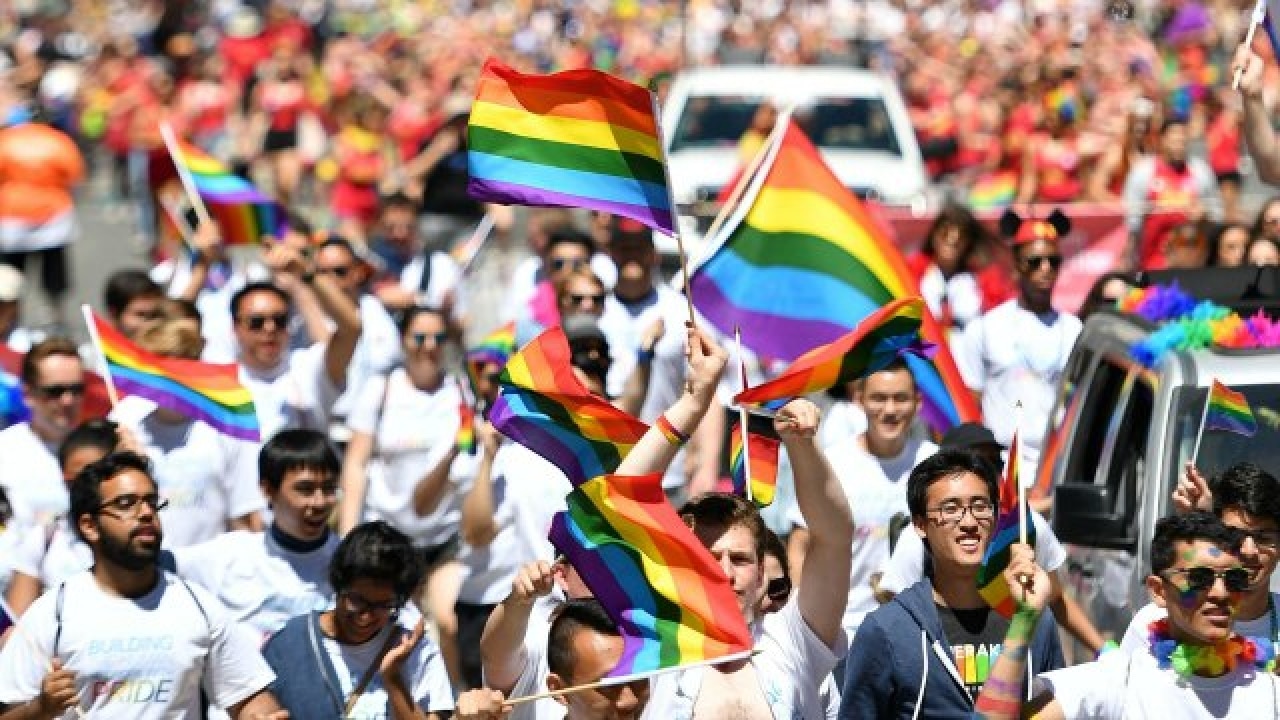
[{"x": 125, "y": 639}]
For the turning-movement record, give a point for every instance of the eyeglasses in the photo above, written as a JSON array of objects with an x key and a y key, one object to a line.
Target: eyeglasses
[
  {"x": 419, "y": 339},
  {"x": 951, "y": 513},
  {"x": 57, "y": 392},
  {"x": 360, "y": 605},
  {"x": 580, "y": 300},
  {"x": 1035, "y": 262},
  {"x": 131, "y": 504},
  {"x": 338, "y": 271},
  {"x": 258, "y": 323},
  {"x": 1201, "y": 579},
  {"x": 778, "y": 590},
  {"x": 573, "y": 263}
]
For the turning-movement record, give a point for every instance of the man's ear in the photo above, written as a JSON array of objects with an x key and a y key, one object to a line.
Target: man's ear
[
  {"x": 1155, "y": 588},
  {"x": 554, "y": 682},
  {"x": 88, "y": 527},
  {"x": 920, "y": 525}
]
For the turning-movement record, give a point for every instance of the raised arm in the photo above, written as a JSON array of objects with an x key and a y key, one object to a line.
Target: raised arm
[
  {"x": 477, "y": 526},
  {"x": 502, "y": 647},
  {"x": 1258, "y": 133}
]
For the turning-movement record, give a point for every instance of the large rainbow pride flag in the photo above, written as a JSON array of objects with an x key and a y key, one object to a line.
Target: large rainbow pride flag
[{"x": 242, "y": 212}]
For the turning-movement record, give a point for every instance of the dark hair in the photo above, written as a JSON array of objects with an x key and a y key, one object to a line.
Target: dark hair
[
  {"x": 1249, "y": 488},
  {"x": 296, "y": 449},
  {"x": 1259, "y": 228},
  {"x": 125, "y": 286},
  {"x": 1219, "y": 232},
  {"x": 970, "y": 228},
  {"x": 723, "y": 511},
  {"x": 410, "y": 314},
  {"x": 397, "y": 200},
  {"x": 570, "y": 236},
  {"x": 895, "y": 365},
  {"x": 1095, "y": 300},
  {"x": 1171, "y": 121},
  {"x": 943, "y": 464},
  {"x": 339, "y": 242},
  {"x": 255, "y": 287},
  {"x": 86, "y": 488},
  {"x": 42, "y": 351},
  {"x": 572, "y": 617},
  {"x": 299, "y": 224},
  {"x": 376, "y": 551},
  {"x": 96, "y": 434},
  {"x": 1188, "y": 528}
]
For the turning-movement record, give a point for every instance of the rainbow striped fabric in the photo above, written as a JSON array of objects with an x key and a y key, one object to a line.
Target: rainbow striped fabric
[
  {"x": 887, "y": 334},
  {"x": 671, "y": 601},
  {"x": 493, "y": 349},
  {"x": 1229, "y": 410},
  {"x": 801, "y": 262},
  {"x": 466, "y": 437},
  {"x": 210, "y": 393},
  {"x": 994, "y": 190},
  {"x": 579, "y": 138},
  {"x": 991, "y": 582},
  {"x": 242, "y": 212},
  {"x": 764, "y": 465},
  {"x": 544, "y": 407}
]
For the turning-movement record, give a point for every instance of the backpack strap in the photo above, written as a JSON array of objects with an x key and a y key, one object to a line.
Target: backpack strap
[{"x": 57, "y": 616}]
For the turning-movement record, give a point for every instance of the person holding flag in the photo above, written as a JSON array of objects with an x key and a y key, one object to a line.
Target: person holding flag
[{"x": 1247, "y": 67}]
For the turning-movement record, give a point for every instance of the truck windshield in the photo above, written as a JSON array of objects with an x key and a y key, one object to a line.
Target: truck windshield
[
  {"x": 1219, "y": 449},
  {"x": 849, "y": 123}
]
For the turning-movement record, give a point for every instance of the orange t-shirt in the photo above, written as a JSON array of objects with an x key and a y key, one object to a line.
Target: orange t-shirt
[{"x": 38, "y": 167}]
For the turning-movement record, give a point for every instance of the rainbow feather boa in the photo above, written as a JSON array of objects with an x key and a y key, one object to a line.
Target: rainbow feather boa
[
  {"x": 1186, "y": 323},
  {"x": 1207, "y": 661}
]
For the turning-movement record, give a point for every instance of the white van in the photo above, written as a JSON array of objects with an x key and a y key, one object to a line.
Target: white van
[{"x": 856, "y": 118}]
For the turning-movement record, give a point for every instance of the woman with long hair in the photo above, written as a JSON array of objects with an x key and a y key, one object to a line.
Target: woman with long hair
[{"x": 959, "y": 270}]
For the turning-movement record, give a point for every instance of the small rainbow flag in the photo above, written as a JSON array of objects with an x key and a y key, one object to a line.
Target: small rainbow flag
[
  {"x": 885, "y": 335},
  {"x": 994, "y": 191},
  {"x": 466, "y": 437},
  {"x": 1229, "y": 410},
  {"x": 241, "y": 211},
  {"x": 201, "y": 391},
  {"x": 671, "y": 600},
  {"x": 544, "y": 407},
  {"x": 991, "y": 583},
  {"x": 764, "y": 465},
  {"x": 579, "y": 138},
  {"x": 494, "y": 349}
]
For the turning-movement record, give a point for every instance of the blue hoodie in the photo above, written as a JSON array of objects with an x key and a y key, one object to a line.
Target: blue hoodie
[{"x": 888, "y": 663}]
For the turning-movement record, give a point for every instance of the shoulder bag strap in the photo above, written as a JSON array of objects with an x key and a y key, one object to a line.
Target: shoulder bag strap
[{"x": 365, "y": 679}]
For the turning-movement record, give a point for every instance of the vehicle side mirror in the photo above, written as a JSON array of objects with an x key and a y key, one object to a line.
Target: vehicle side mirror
[{"x": 1092, "y": 515}]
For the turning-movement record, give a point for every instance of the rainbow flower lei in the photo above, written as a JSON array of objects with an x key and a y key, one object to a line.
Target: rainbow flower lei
[
  {"x": 1207, "y": 661},
  {"x": 1186, "y": 323}
]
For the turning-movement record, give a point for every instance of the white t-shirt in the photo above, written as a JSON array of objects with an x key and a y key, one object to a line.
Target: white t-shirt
[
  {"x": 1011, "y": 354},
  {"x": 134, "y": 659},
  {"x": 377, "y": 352},
  {"x": 527, "y": 275},
  {"x": 30, "y": 474},
  {"x": 1136, "y": 640},
  {"x": 50, "y": 552},
  {"x": 446, "y": 279},
  {"x": 877, "y": 490},
  {"x": 534, "y": 669},
  {"x": 424, "y": 670},
  {"x": 413, "y": 431},
  {"x": 207, "y": 477},
  {"x": 960, "y": 291},
  {"x": 1133, "y": 687},
  {"x": 259, "y": 582},
  {"x": 906, "y": 566},
  {"x": 527, "y": 492},
  {"x": 297, "y": 394},
  {"x": 791, "y": 663},
  {"x": 843, "y": 420},
  {"x": 213, "y": 302}
]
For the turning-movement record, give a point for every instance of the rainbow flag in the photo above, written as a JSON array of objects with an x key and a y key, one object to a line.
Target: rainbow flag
[
  {"x": 579, "y": 138},
  {"x": 241, "y": 211},
  {"x": 801, "y": 262},
  {"x": 887, "y": 334},
  {"x": 764, "y": 465},
  {"x": 991, "y": 584},
  {"x": 1269, "y": 10},
  {"x": 1229, "y": 410},
  {"x": 544, "y": 407},
  {"x": 493, "y": 349},
  {"x": 466, "y": 437},
  {"x": 201, "y": 391},
  {"x": 994, "y": 191},
  {"x": 671, "y": 600}
]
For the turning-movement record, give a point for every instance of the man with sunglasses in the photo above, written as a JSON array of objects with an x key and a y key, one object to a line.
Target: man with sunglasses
[
  {"x": 1016, "y": 352},
  {"x": 1193, "y": 664},
  {"x": 531, "y": 303},
  {"x": 53, "y": 388},
  {"x": 127, "y": 639}
]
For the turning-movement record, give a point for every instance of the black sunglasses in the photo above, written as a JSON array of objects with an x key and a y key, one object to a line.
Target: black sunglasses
[
  {"x": 778, "y": 590},
  {"x": 419, "y": 339},
  {"x": 259, "y": 322},
  {"x": 55, "y": 392},
  {"x": 1035, "y": 262},
  {"x": 578, "y": 300},
  {"x": 1200, "y": 579}
]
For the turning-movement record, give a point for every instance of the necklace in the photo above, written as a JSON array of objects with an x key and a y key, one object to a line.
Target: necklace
[{"x": 1207, "y": 660}]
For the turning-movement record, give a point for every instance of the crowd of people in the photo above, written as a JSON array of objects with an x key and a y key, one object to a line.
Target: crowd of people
[{"x": 358, "y": 561}]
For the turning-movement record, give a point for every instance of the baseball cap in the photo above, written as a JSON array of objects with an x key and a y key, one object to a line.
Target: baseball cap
[
  {"x": 11, "y": 283},
  {"x": 968, "y": 435}
]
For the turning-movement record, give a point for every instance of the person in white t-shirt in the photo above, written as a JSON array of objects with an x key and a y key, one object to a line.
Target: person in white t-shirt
[
  {"x": 208, "y": 478},
  {"x": 126, "y": 639},
  {"x": 873, "y": 469},
  {"x": 358, "y": 660},
  {"x": 411, "y": 274},
  {"x": 1193, "y": 666},
  {"x": 265, "y": 578}
]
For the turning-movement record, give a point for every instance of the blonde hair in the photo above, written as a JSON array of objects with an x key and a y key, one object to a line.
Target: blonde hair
[
  {"x": 584, "y": 273},
  {"x": 172, "y": 337}
]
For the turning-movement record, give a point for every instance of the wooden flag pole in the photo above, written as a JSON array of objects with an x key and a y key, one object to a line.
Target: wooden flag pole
[
  {"x": 188, "y": 184},
  {"x": 1259, "y": 16},
  {"x": 675, "y": 216},
  {"x": 742, "y": 418},
  {"x": 102, "y": 356},
  {"x": 1016, "y": 462},
  {"x": 512, "y": 702}
]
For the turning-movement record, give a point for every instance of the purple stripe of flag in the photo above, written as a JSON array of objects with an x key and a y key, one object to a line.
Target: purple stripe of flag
[{"x": 512, "y": 193}]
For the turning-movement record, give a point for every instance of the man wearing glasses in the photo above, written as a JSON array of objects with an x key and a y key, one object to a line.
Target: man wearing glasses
[
  {"x": 928, "y": 652},
  {"x": 126, "y": 639},
  {"x": 53, "y": 388},
  {"x": 1018, "y": 350}
]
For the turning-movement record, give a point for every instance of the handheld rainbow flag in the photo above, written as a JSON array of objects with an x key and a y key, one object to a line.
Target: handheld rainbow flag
[
  {"x": 241, "y": 211},
  {"x": 991, "y": 582},
  {"x": 544, "y": 407},
  {"x": 202, "y": 391},
  {"x": 1229, "y": 410},
  {"x": 494, "y": 349},
  {"x": 885, "y": 335},
  {"x": 671, "y": 601},
  {"x": 994, "y": 191},
  {"x": 466, "y": 437},
  {"x": 801, "y": 262},
  {"x": 579, "y": 138},
  {"x": 764, "y": 465}
]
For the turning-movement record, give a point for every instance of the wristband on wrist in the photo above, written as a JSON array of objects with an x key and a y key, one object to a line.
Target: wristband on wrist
[
  {"x": 674, "y": 436},
  {"x": 644, "y": 356}
]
